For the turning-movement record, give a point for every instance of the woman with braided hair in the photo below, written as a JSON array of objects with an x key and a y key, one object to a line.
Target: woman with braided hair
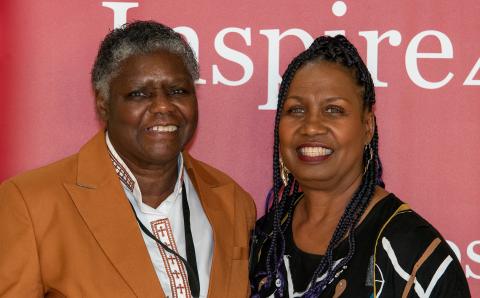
[{"x": 331, "y": 229}]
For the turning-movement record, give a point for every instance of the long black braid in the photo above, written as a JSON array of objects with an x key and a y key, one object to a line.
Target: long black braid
[{"x": 337, "y": 50}]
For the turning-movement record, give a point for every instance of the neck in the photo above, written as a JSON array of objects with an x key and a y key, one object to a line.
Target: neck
[
  {"x": 320, "y": 205},
  {"x": 156, "y": 183}
]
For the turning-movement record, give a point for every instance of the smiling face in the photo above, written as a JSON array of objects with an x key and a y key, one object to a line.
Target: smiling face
[
  {"x": 152, "y": 110},
  {"x": 324, "y": 126}
]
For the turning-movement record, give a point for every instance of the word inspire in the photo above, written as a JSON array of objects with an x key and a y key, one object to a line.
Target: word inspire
[
  {"x": 274, "y": 36},
  {"x": 373, "y": 38},
  {"x": 473, "y": 256}
]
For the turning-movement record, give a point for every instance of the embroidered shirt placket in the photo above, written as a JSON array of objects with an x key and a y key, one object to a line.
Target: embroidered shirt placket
[{"x": 172, "y": 272}]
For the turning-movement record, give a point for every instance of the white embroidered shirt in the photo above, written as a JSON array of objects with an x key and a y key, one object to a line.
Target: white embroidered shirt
[{"x": 166, "y": 223}]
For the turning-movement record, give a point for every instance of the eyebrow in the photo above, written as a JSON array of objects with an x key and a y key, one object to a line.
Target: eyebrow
[
  {"x": 328, "y": 100},
  {"x": 147, "y": 80},
  {"x": 293, "y": 97},
  {"x": 335, "y": 98}
]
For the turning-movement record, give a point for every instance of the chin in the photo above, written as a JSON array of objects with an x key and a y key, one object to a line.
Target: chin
[{"x": 163, "y": 158}]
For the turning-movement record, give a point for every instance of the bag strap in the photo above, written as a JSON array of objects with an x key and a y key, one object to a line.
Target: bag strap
[{"x": 428, "y": 252}]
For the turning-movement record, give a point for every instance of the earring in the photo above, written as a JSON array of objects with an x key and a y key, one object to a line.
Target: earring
[
  {"x": 370, "y": 158},
  {"x": 283, "y": 172}
]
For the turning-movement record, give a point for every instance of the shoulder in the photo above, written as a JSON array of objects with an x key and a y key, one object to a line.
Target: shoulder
[
  {"x": 211, "y": 175},
  {"x": 396, "y": 220},
  {"x": 214, "y": 176},
  {"x": 41, "y": 179},
  {"x": 33, "y": 195},
  {"x": 407, "y": 230},
  {"x": 410, "y": 246},
  {"x": 207, "y": 172},
  {"x": 407, "y": 233}
]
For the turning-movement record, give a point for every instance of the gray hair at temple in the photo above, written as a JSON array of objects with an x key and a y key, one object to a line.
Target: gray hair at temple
[{"x": 136, "y": 38}]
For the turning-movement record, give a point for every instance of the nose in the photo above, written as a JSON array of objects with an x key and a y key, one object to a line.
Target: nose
[
  {"x": 161, "y": 103},
  {"x": 314, "y": 124}
]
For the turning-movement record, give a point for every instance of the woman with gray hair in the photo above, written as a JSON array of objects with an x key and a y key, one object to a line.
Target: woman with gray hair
[{"x": 131, "y": 214}]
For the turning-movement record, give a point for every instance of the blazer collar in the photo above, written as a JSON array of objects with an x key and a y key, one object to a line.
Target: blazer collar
[
  {"x": 100, "y": 199},
  {"x": 217, "y": 201}
]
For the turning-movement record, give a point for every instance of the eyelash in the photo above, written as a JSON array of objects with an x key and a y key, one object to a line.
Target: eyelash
[
  {"x": 177, "y": 91},
  {"x": 295, "y": 110},
  {"x": 335, "y": 110},
  {"x": 329, "y": 109},
  {"x": 136, "y": 94}
]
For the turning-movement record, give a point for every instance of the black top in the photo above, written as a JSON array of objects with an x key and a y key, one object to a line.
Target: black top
[
  {"x": 303, "y": 264},
  {"x": 403, "y": 238}
]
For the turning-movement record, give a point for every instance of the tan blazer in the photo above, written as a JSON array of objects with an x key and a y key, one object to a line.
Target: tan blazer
[{"x": 67, "y": 229}]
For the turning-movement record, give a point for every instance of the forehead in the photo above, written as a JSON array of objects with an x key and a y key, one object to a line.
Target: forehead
[
  {"x": 321, "y": 80},
  {"x": 324, "y": 75},
  {"x": 158, "y": 62}
]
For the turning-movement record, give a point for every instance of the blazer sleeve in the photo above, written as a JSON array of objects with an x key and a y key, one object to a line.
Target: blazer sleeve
[
  {"x": 19, "y": 263},
  {"x": 249, "y": 208}
]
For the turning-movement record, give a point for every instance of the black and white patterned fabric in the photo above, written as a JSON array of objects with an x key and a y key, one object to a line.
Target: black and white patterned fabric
[{"x": 398, "y": 254}]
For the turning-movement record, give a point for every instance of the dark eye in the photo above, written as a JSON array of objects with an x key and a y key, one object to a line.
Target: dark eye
[
  {"x": 296, "y": 110},
  {"x": 334, "y": 109},
  {"x": 137, "y": 94},
  {"x": 178, "y": 91}
]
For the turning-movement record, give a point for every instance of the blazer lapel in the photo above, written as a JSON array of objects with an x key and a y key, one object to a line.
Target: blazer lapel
[
  {"x": 100, "y": 199},
  {"x": 220, "y": 213}
]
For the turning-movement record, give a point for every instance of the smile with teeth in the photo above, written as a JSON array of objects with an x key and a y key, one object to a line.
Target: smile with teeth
[
  {"x": 163, "y": 128},
  {"x": 315, "y": 151}
]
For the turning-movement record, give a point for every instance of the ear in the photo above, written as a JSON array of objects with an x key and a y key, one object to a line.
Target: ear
[
  {"x": 369, "y": 122},
  {"x": 102, "y": 106}
]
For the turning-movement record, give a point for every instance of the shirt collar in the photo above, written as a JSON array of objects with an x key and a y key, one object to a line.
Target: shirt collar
[{"x": 130, "y": 182}]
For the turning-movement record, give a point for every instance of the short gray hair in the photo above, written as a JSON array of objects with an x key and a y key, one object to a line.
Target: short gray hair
[{"x": 140, "y": 37}]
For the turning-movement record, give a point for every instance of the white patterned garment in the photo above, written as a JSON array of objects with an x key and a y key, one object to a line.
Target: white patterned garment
[{"x": 166, "y": 223}]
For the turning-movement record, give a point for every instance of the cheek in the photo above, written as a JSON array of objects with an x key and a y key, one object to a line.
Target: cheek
[
  {"x": 130, "y": 115},
  {"x": 352, "y": 131},
  {"x": 190, "y": 114},
  {"x": 194, "y": 116},
  {"x": 285, "y": 134},
  {"x": 351, "y": 142}
]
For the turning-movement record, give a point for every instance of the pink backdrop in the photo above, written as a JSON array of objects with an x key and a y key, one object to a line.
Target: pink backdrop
[{"x": 425, "y": 57}]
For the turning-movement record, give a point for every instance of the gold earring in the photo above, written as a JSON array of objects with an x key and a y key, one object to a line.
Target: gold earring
[
  {"x": 370, "y": 158},
  {"x": 284, "y": 172}
]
